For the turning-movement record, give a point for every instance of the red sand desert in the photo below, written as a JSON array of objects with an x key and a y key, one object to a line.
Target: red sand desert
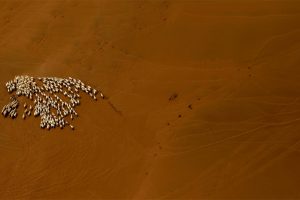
[{"x": 203, "y": 99}]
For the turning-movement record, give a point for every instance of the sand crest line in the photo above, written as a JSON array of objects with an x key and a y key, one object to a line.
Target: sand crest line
[{"x": 54, "y": 99}]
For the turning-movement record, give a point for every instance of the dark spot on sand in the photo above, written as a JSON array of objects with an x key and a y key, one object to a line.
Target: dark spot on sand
[
  {"x": 190, "y": 106},
  {"x": 114, "y": 108},
  {"x": 179, "y": 116},
  {"x": 173, "y": 97}
]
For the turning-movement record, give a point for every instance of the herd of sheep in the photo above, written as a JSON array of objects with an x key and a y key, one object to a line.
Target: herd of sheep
[{"x": 54, "y": 99}]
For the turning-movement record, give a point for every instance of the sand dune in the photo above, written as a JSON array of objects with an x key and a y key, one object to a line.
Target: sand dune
[{"x": 231, "y": 132}]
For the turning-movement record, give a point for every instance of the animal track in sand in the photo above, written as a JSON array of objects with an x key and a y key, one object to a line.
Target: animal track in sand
[{"x": 54, "y": 99}]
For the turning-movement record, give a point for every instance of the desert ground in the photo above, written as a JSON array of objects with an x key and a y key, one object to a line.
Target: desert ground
[{"x": 203, "y": 99}]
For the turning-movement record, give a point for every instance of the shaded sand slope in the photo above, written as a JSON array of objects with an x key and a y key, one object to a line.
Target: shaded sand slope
[{"x": 232, "y": 131}]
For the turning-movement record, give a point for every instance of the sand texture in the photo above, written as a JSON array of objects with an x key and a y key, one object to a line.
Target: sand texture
[{"x": 203, "y": 99}]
